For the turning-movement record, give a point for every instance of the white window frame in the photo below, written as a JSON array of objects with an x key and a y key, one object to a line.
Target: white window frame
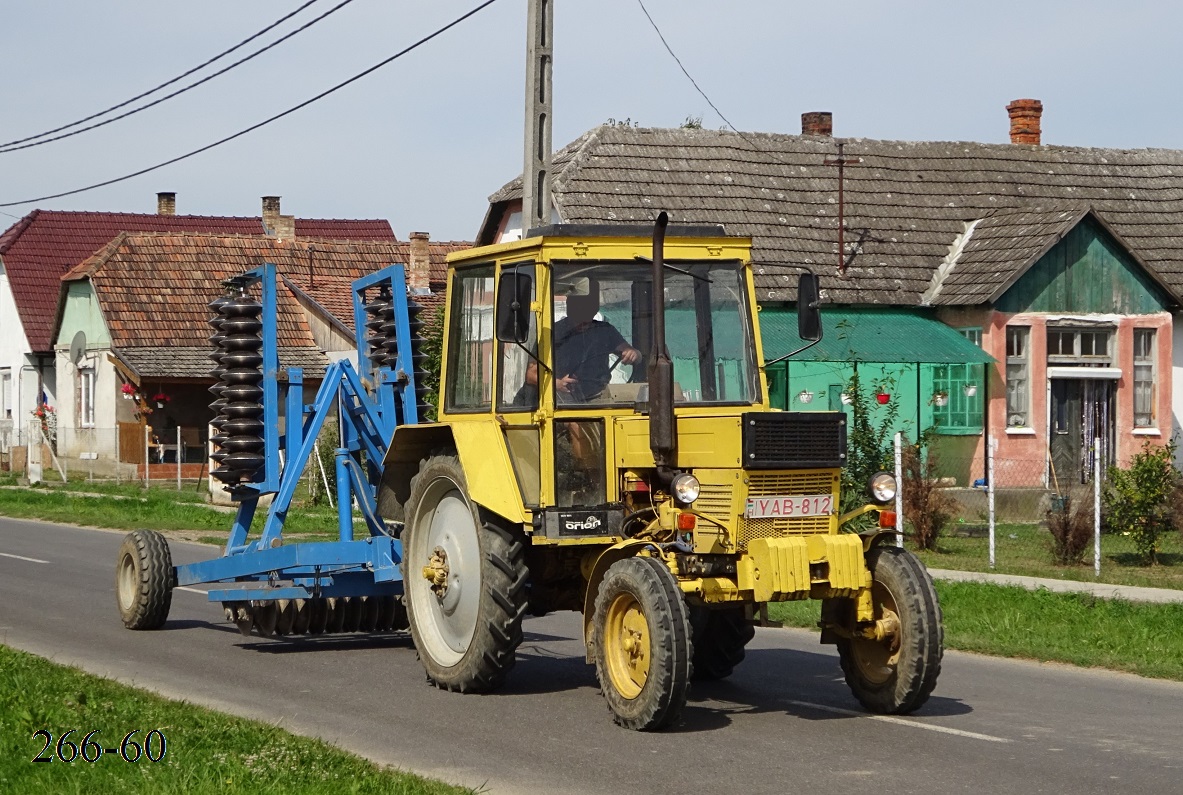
[
  {"x": 86, "y": 387},
  {"x": 5, "y": 393},
  {"x": 1144, "y": 364},
  {"x": 1018, "y": 378}
]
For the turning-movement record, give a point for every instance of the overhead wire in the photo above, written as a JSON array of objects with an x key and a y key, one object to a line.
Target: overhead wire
[
  {"x": 5, "y": 148},
  {"x": 166, "y": 83},
  {"x": 265, "y": 122}
]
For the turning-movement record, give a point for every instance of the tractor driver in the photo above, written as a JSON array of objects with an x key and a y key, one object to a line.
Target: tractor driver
[{"x": 582, "y": 345}]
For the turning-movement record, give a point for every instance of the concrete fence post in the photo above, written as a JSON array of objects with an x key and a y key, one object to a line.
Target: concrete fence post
[{"x": 991, "y": 443}]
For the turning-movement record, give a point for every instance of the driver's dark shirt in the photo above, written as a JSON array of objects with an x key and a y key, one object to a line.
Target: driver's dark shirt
[{"x": 584, "y": 354}]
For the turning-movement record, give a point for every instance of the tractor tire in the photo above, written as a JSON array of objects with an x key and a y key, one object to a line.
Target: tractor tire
[
  {"x": 641, "y": 635},
  {"x": 144, "y": 580},
  {"x": 467, "y": 625},
  {"x": 896, "y": 675},
  {"x": 719, "y": 637}
]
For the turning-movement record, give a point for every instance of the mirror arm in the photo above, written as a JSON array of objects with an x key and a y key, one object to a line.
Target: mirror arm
[{"x": 532, "y": 355}]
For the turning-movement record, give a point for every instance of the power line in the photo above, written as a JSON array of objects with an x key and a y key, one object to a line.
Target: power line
[
  {"x": 5, "y": 148},
  {"x": 166, "y": 83},
  {"x": 678, "y": 61},
  {"x": 265, "y": 122},
  {"x": 694, "y": 83}
]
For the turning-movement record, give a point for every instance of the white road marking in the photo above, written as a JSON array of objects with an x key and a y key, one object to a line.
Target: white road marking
[
  {"x": 22, "y": 557},
  {"x": 190, "y": 590},
  {"x": 901, "y": 721}
]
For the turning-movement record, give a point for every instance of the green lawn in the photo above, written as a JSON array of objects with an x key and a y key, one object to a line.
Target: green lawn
[
  {"x": 130, "y": 507},
  {"x": 206, "y": 752},
  {"x": 1024, "y": 549},
  {"x": 1008, "y": 621}
]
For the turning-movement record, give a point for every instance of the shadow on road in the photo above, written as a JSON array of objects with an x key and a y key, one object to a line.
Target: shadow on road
[{"x": 805, "y": 685}]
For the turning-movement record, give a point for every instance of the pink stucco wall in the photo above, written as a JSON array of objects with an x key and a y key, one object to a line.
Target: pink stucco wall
[{"x": 1021, "y": 456}]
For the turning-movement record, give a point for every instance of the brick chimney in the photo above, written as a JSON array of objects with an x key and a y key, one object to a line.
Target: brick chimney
[
  {"x": 166, "y": 204},
  {"x": 1024, "y": 121},
  {"x": 274, "y": 224},
  {"x": 419, "y": 270},
  {"x": 818, "y": 122}
]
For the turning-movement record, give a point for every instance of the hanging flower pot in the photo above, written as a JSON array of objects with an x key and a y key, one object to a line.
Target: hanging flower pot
[
  {"x": 127, "y": 396},
  {"x": 846, "y": 399},
  {"x": 128, "y": 391},
  {"x": 940, "y": 400},
  {"x": 970, "y": 390},
  {"x": 804, "y": 396},
  {"x": 160, "y": 404},
  {"x": 883, "y": 398}
]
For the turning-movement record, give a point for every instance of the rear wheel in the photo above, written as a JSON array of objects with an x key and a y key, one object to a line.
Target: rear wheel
[
  {"x": 464, "y": 580},
  {"x": 719, "y": 636},
  {"x": 144, "y": 580},
  {"x": 642, "y": 644},
  {"x": 892, "y": 665}
]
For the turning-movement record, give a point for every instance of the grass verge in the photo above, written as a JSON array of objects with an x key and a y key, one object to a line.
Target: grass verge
[
  {"x": 1080, "y": 629},
  {"x": 131, "y": 507},
  {"x": 206, "y": 751}
]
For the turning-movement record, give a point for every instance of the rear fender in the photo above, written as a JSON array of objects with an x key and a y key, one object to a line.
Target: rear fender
[{"x": 483, "y": 456}]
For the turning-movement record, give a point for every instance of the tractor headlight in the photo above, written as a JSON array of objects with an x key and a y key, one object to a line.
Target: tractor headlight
[
  {"x": 685, "y": 488},
  {"x": 883, "y": 487}
]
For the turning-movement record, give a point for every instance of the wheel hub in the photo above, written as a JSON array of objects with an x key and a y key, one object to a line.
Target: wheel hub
[
  {"x": 436, "y": 572},
  {"x": 627, "y": 639}
]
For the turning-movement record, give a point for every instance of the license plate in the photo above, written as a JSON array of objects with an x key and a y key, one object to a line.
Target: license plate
[{"x": 804, "y": 505}]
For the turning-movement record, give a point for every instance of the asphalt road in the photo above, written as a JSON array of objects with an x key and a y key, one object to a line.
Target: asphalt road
[{"x": 783, "y": 722}]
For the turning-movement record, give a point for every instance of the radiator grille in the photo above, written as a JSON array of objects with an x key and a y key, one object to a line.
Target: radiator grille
[
  {"x": 789, "y": 439},
  {"x": 716, "y": 501}
]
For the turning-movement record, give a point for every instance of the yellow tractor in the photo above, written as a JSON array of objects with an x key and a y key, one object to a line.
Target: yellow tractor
[{"x": 605, "y": 444}]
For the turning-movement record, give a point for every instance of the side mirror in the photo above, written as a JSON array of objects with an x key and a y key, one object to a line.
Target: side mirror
[
  {"x": 513, "y": 306},
  {"x": 809, "y": 316}
]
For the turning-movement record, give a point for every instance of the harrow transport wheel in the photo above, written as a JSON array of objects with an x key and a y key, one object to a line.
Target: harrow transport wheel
[
  {"x": 641, "y": 635},
  {"x": 719, "y": 638},
  {"x": 464, "y": 581},
  {"x": 144, "y": 580},
  {"x": 897, "y": 674}
]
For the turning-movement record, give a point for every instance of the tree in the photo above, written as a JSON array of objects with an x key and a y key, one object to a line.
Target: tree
[
  {"x": 869, "y": 447},
  {"x": 1138, "y": 500}
]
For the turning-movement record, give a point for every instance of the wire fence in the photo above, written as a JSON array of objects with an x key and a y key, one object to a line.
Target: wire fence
[
  {"x": 135, "y": 453},
  {"x": 1020, "y": 516}
]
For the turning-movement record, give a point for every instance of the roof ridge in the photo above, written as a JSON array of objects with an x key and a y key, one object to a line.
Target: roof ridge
[
  {"x": 942, "y": 271},
  {"x": 14, "y": 232},
  {"x": 96, "y": 260}
]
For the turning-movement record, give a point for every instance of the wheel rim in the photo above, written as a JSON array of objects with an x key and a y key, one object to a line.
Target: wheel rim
[
  {"x": 878, "y": 660},
  {"x": 129, "y": 582},
  {"x": 448, "y": 615},
  {"x": 626, "y": 645}
]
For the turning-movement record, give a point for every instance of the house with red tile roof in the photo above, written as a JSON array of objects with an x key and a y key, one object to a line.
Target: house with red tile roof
[
  {"x": 141, "y": 303},
  {"x": 37, "y": 250}
]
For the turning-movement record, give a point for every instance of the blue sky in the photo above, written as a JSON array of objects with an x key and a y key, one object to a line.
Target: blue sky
[{"x": 424, "y": 141}]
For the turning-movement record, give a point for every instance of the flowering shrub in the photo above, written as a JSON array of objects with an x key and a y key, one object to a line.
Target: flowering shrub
[{"x": 48, "y": 419}]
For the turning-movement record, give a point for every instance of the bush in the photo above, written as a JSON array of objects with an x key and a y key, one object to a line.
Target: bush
[
  {"x": 1071, "y": 526},
  {"x": 927, "y": 506},
  {"x": 869, "y": 447},
  {"x": 1139, "y": 500}
]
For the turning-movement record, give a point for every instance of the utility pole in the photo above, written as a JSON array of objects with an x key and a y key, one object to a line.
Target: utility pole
[
  {"x": 841, "y": 162},
  {"x": 539, "y": 62}
]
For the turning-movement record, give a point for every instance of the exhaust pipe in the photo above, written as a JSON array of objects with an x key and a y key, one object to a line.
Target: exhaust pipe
[{"x": 663, "y": 440}]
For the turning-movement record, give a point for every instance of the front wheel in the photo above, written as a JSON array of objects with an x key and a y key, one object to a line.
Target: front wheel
[
  {"x": 464, "y": 581},
  {"x": 892, "y": 664},
  {"x": 642, "y": 644},
  {"x": 144, "y": 580}
]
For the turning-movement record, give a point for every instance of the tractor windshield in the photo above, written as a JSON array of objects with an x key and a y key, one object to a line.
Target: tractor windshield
[{"x": 602, "y": 332}]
